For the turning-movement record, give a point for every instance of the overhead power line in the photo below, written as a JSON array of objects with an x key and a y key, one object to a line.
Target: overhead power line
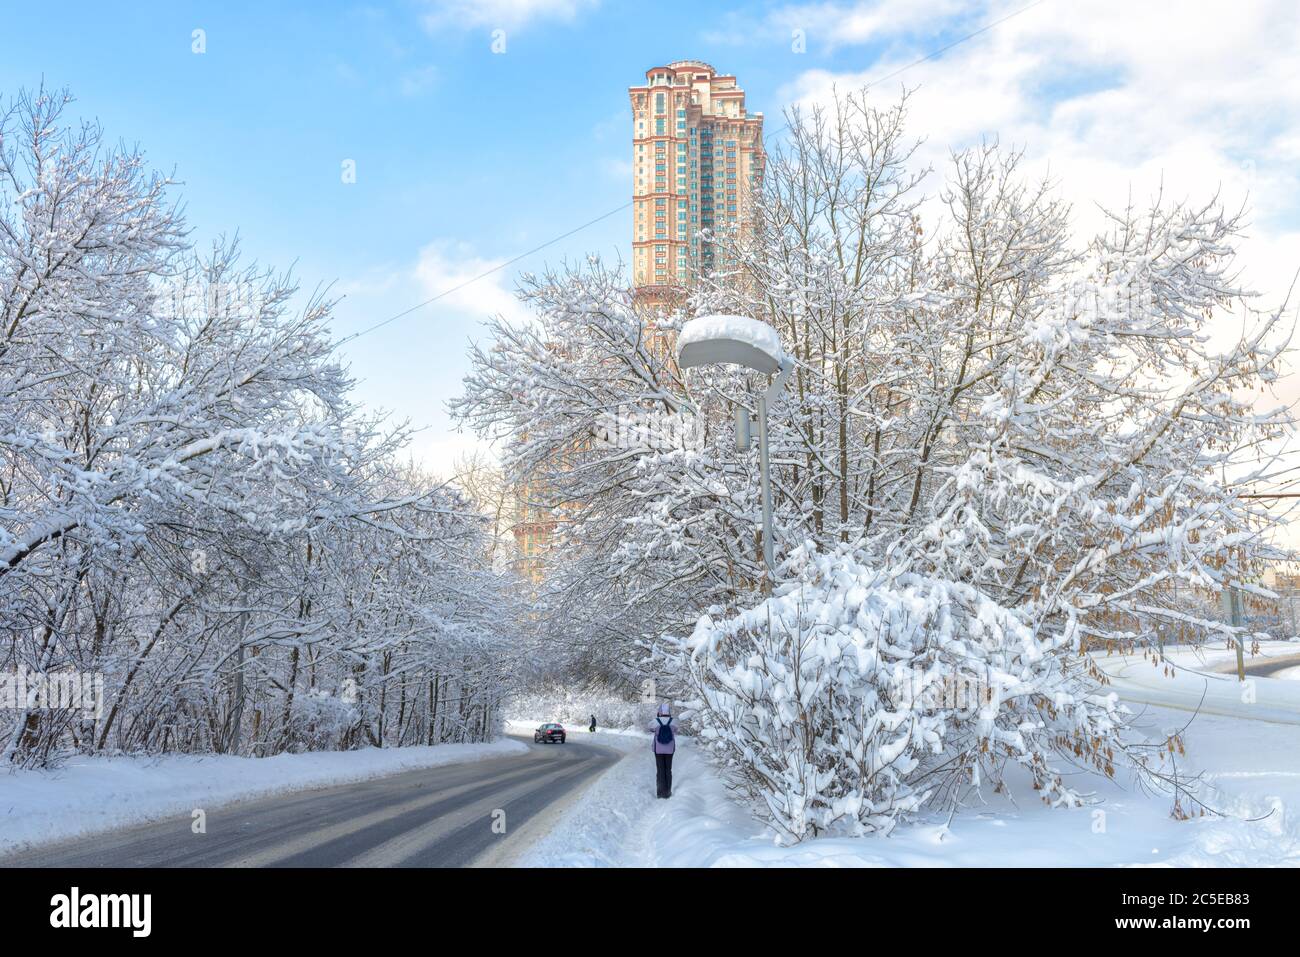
[{"x": 484, "y": 274}]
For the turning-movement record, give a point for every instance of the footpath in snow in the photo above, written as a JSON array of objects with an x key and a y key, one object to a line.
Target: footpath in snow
[
  {"x": 96, "y": 794},
  {"x": 594, "y": 830}
]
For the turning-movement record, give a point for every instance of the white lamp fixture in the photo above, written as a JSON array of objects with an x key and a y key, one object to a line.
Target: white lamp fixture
[{"x": 739, "y": 340}]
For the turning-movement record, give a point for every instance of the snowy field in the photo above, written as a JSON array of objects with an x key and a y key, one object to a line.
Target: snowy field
[
  {"x": 1250, "y": 769},
  {"x": 1218, "y": 656},
  {"x": 97, "y": 794}
]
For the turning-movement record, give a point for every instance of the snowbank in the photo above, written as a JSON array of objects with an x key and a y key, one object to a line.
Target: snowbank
[
  {"x": 1215, "y": 656},
  {"x": 98, "y": 794},
  {"x": 703, "y": 825},
  {"x": 594, "y": 831}
]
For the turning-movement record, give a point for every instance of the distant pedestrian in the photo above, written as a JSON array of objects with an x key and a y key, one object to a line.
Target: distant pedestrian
[
  {"x": 665, "y": 743},
  {"x": 592, "y": 729}
]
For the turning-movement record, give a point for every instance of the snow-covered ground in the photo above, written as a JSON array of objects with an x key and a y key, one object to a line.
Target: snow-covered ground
[
  {"x": 1246, "y": 752},
  {"x": 619, "y": 822},
  {"x": 1216, "y": 656},
  {"x": 1187, "y": 679},
  {"x": 1251, "y": 770},
  {"x": 96, "y": 794},
  {"x": 595, "y": 828}
]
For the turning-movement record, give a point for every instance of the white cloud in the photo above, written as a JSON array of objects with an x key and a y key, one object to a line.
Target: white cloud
[
  {"x": 451, "y": 270},
  {"x": 1113, "y": 96},
  {"x": 439, "y": 453},
  {"x": 832, "y": 25},
  {"x": 466, "y": 285},
  {"x": 414, "y": 365},
  {"x": 505, "y": 14}
]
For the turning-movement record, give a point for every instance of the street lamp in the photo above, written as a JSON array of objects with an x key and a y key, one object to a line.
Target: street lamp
[{"x": 739, "y": 340}]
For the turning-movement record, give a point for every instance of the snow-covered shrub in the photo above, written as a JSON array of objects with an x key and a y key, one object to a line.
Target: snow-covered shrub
[
  {"x": 855, "y": 693},
  {"x": 319, "y": 720}
]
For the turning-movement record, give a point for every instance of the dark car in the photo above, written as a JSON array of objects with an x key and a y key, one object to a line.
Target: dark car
[{"x": 547, "y": 733}]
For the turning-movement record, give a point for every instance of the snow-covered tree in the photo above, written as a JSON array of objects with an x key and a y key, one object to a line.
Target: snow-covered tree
[
  {"x": 988, "y": 416},
  {"x": 192, "y": 507}
]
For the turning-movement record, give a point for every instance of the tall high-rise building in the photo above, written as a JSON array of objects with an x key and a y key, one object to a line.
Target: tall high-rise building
[{"x": 697, "y": 160}]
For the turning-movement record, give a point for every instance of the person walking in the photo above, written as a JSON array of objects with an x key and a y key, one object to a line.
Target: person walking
[
  {"x": 664, "y": 744},
  {"x": 592, "y": 729}
]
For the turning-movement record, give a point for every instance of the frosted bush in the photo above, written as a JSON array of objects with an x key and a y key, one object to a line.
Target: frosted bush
[
  {"x": 854, "y": 695},
  {"x": 321, "y": 720}
]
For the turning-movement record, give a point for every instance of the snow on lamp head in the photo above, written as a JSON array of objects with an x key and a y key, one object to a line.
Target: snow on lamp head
[{"x": 737, "y": 340}]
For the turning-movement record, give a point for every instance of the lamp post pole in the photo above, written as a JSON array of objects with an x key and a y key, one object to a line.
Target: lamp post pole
[
  {"x": 765, "y": 465},
  {"x": 1237, "y": 619}
]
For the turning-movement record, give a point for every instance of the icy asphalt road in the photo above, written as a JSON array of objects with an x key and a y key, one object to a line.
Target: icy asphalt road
[
  {"x": 447, "y": 816},
  {"x": 1210, "y": 687},
  {"x": 1263, "y": 667}
]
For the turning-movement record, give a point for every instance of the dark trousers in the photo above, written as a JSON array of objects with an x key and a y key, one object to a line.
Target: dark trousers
[{"x": 664, "y": 775}]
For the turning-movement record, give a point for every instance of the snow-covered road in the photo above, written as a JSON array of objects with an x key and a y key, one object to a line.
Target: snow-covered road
[
  {"x": 464, "y": 813},
  {"x": 1206, "y": 682}
]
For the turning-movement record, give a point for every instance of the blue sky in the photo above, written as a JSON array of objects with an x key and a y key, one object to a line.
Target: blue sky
[{"x": 465, "y": 157}]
